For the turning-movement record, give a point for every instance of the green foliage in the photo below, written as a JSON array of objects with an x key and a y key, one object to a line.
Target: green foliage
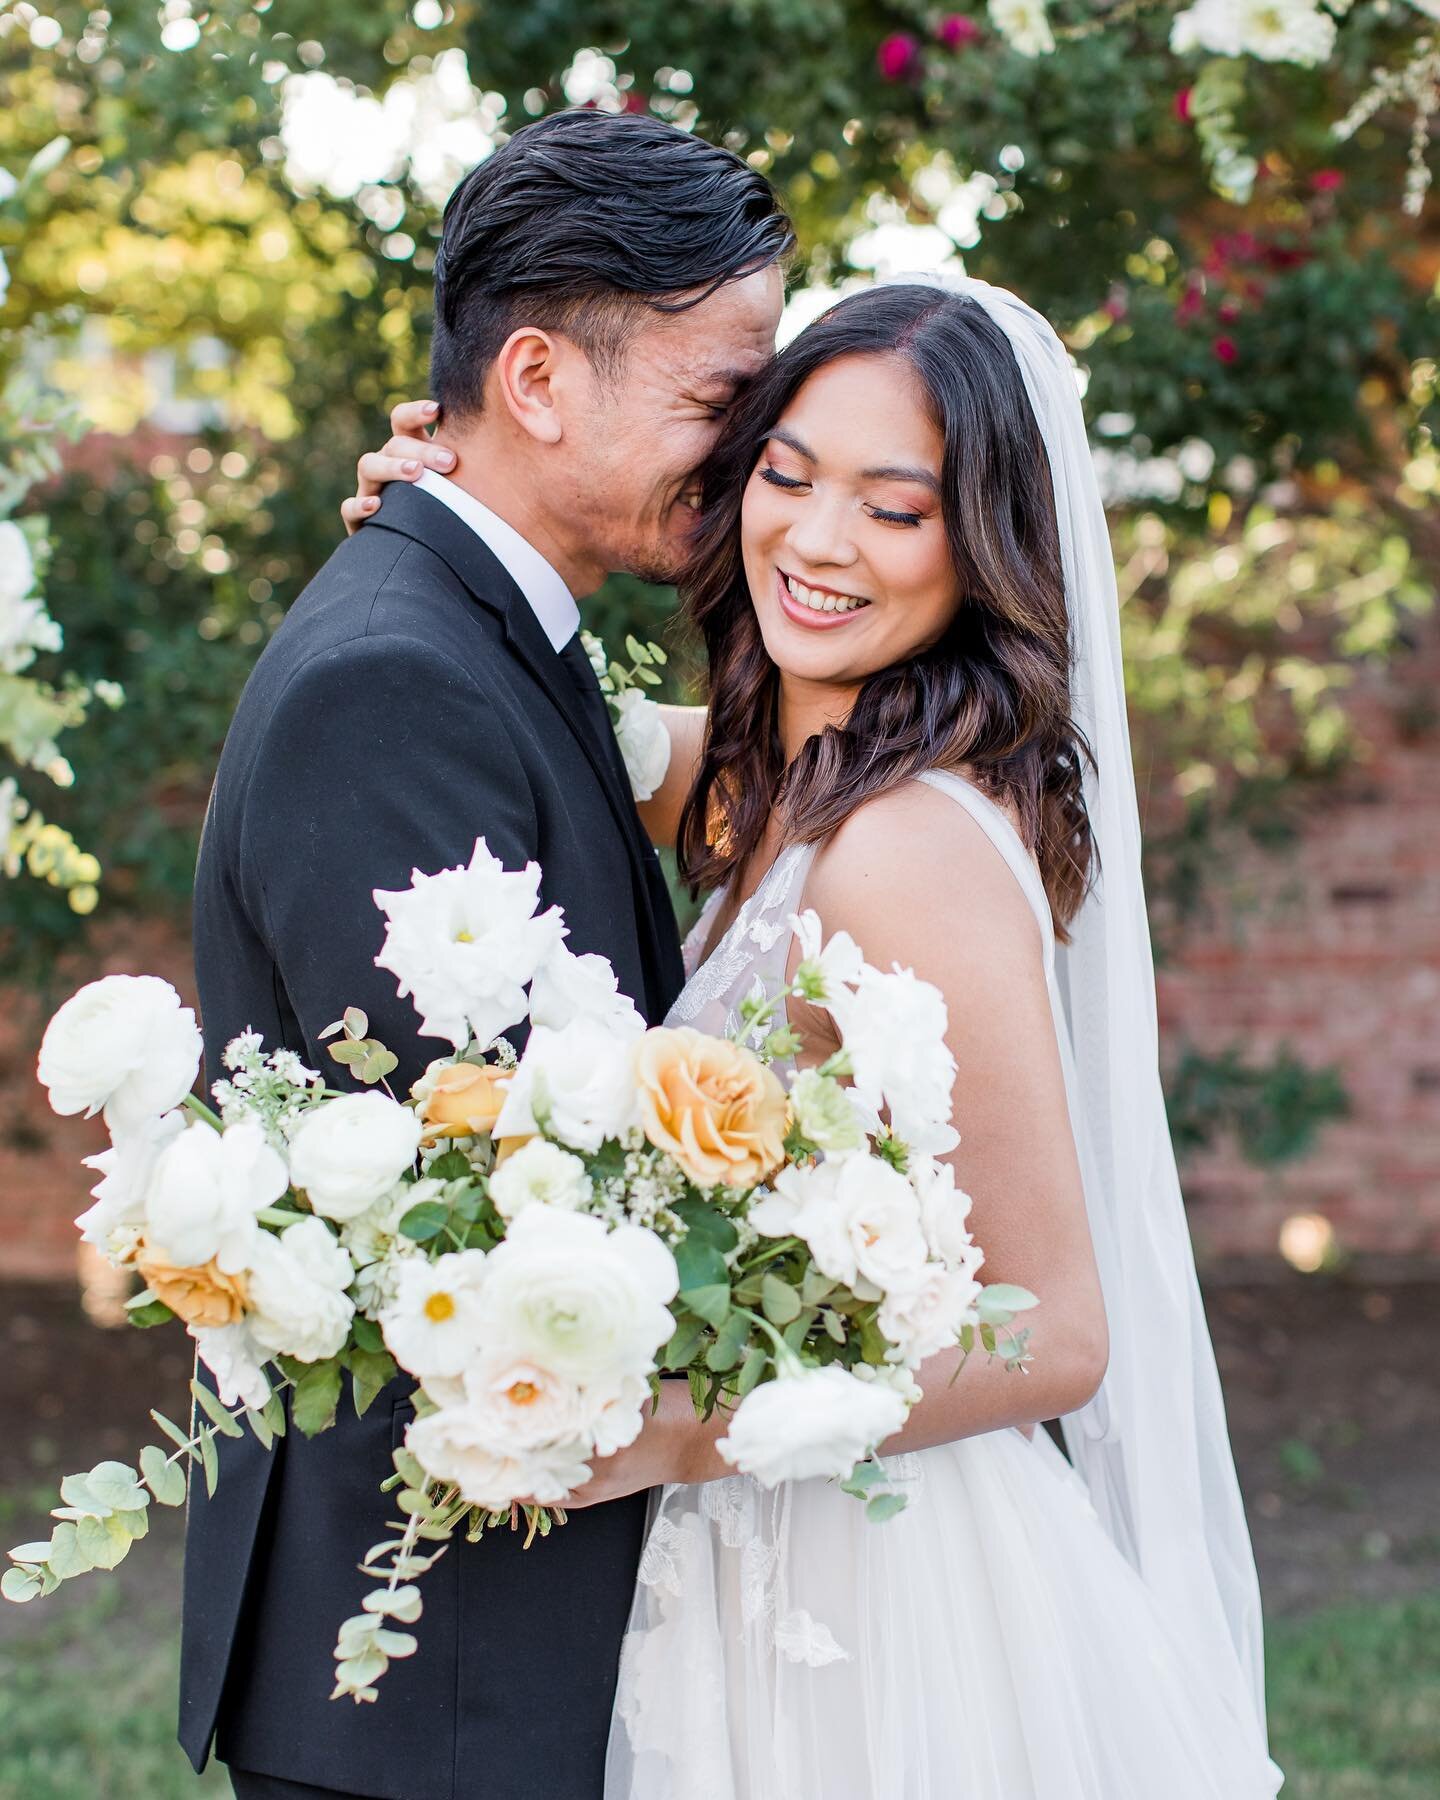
[{"x": 1274, "y": 1108}]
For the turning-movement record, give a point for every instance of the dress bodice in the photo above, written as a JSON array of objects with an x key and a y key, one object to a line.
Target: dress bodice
[{"x": 756, "y": 948}]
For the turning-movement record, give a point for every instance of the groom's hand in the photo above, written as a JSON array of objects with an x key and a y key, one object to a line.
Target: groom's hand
[
  {"x": 674, "y": 1445},
  {"x": 410, "y": 450}
]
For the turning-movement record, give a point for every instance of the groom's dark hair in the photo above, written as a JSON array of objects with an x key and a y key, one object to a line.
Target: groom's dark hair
[{"x": 584, "y": 223}]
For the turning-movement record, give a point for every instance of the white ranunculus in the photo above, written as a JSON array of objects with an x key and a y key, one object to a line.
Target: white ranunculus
[
  {"x": 1024, "y": 25},
  {"x": 588, "y": 1303},
  {"x": 814, "y": 1422},
  {"x": 350, "y": 1151},
  {"x": 893, "y": 1027},
  {"x": 539, "y": 1174},
  {"x": 465, "y": 943},
  {"x": 860, "y": 1217},
  {"x": 570, "y": 987},
  {"x": 453, "y": 1445},
  {"x": 297, "y": 1292},
  {"x": 945, "y": 1214},
  {"x": 575, "y": 1085},
  {"x": 205, "y": 1190},
  {"x": 521, "y": 1406},
  {"x": 17, "y": 566},
  {"x": 433, "y": 1326},
  {"x": 644, "y": 741},
  {"x": 1212, "y": 25},
  {"x": 923, "y": 1320},
  {"x": 1293, "y": 31},
  {"x": 125, "y": 1170},
  {"x": 233, "y": 1357},
  {"x": 124, "y": 1044}
]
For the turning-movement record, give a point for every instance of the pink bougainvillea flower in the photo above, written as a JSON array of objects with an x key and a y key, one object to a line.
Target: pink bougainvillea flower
[{"x": 898, "y": 57}]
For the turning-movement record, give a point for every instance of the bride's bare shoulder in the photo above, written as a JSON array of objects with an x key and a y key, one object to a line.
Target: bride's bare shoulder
[{"x": 913, "y": 876}]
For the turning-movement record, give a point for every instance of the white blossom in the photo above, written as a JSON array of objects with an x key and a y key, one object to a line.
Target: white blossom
[
  {"x": 922, "y": 1320},
  {"x": 574, "y": 1084},
  {"x": 539, "y": 1174},
  {"x": 860, "y": 1218},
  {"x": 893, "y": 1028},
  {"x": 236, "y": 1360},
  {"x": 1024, "y": 25},
  {"x": 204, "y": 1194},
  {"x": 125, "y": 1171},
  {"x": 345, "y": 1154},
  {"x": 297, "y": 1283},
  {"x": 453, "y": 1445},
  {"x": 568, "y": 987},
  {"x": 812, "y": 1422},
  {"x": 433, "y": 1325},
  {"x": 465, "y": 944},
  {"x": 124, "y": 1044},
  {"x": 644, "y": 741}
]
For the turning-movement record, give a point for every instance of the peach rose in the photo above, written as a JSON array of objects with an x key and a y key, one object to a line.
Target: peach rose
[
  {"x": 204, "y": 1295},
  {"x": 712, "y": 1105},
  {"x": 464, "y": 1100}
]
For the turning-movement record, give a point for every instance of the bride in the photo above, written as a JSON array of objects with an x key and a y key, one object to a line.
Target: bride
[{"x": 916, "y": 728}]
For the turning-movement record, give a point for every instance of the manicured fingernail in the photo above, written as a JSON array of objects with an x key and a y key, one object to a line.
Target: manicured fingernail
[
  {"x": 444, "y": 459},
  {"x": 369, "y": 505},
  {"x": 432, "y": 406},
  {"x": 410, "y": 467}
]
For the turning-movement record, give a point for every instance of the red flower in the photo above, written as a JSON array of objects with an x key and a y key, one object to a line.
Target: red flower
[
  {"x": 1181, "y": 104},
  {"x": 1327, "y": 181},
  {"x": 956, "y": 30},
  {"x": 637, "y": 103},
  {"x": 1229, "y": 311},
  {"x": 1225, "y": 350},
  {"x": 1191, "y": 303},
  {"x": 898, "y": 57}
]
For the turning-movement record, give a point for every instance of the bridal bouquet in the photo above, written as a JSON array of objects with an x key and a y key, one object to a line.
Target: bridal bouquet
[{"x": 534, "y": 1239}]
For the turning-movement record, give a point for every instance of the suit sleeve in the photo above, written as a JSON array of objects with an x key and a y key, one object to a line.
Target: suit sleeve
[{"x": 382, "y": 756}]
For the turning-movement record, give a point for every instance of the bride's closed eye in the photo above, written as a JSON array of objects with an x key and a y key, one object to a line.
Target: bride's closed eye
[{"x": 886, "y": 517}]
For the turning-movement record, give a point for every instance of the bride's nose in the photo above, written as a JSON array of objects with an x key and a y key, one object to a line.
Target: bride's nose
[{"x": 820, "y": 536}]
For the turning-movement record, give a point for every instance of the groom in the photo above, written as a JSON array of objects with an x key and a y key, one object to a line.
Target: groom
[{"x": 603, "y": 286}]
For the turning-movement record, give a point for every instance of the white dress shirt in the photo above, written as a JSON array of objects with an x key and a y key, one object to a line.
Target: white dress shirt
[{"x": 550, "y": 600}]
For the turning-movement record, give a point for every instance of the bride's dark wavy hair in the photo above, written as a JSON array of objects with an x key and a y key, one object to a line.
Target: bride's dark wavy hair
[{"x": 992, "y": 694}]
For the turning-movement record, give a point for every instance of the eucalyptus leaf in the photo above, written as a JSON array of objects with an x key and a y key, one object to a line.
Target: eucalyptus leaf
[
  {"x": 209, "y": 1462},
  {"x": 19, "y": 1586},
  {"x": 730, "y": 1340},
  {"x": 152, "y": 1312},
  {"x": 396, "y": 1643},
  {"x": 37, "y": 1551},
  {"x": 710, "y": 1303},
  {"x": 700, "y": 1264},
  {"x": 165, "y": 1479},
  {"x": 880, "y": 1507},
  {"x": 780, "y": 1301},
  {"x": 751, "y": 1370},
  {"x": 425, "y": 1221},
  {"x": 999, "y": 1300},
  {"x": 213, "y": 1409},
  {"x": 66, "y": 1559},
  {"x": 171, "y": 1430}
]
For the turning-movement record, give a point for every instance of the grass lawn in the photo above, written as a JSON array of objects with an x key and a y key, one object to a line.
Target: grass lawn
[{"x": 87, "y": 1701}]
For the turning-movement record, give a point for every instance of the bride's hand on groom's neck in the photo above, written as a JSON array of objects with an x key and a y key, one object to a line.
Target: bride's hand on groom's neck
[{"x": 410, "y": 451}]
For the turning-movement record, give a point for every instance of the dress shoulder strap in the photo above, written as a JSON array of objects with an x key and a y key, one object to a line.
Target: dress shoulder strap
[{"x": 996, "y": 825}]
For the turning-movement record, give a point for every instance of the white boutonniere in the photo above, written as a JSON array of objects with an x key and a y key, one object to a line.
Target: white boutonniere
[{"x": 639, "y": 727}]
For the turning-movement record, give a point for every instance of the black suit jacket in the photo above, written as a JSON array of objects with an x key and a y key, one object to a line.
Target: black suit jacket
[{"x": 409, "y": 703}]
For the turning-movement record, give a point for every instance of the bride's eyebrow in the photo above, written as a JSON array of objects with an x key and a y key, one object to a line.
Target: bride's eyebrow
[
  {"x": 893, "y": 472},
  {"x": 788, "y": 437}
]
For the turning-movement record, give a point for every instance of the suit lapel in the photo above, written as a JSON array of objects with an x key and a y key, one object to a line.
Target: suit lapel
[{"x": 420, "y": 516}]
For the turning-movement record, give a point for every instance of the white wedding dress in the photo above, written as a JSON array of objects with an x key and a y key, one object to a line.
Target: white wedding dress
[{"x": 989, "y": 1643}]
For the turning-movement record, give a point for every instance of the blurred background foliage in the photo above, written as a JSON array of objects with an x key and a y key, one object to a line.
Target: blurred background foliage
[{"x": 230, "y": 265}]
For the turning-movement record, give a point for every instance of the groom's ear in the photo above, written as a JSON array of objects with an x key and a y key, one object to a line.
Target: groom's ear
[{"x": 530, "y": 373}]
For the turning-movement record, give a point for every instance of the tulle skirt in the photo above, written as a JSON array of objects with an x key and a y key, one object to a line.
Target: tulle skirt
[{"x": 988, "y": 1643}]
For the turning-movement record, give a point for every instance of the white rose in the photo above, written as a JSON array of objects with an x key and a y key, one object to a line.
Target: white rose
[
  {"x": 860, "y": 1217},
  {"x": 944, "y": 1214},
  {"x": 124, "y": 1043},
  {"x": 433, "y": 1326},
  {"x": 893, "y": 1027},
  {"x": 453, "y": 1445},
  {"x": 588, "y": 1303},
  {"x": 205, "y": 1191},
  {"x": 297, "y": 1292},
  {"x": 574, "y": 1084},
  {"x": 644, "y": 741},
  {"x": 17, "y": 566},
  {"x": 465, "y": 943},
  {"x": 348, "y": 1152},
  {"x": 520, "y": 1405},
  {"x": 813, "y": 1422},
  {"x": 927, "y": 1318},
  {"x": 539, "y": 1174},
  {"x": 569, "y": 987},
  {"x": 126, "y": 1169},
  {"x": 235, "y": 1360}
]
